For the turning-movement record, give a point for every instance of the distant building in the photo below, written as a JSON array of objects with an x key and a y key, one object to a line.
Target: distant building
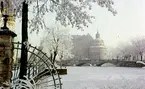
[
  {"x": 85, "y": 47},
  {"x": 97, "y": 49},
  {"x": 81, "y": 46}
]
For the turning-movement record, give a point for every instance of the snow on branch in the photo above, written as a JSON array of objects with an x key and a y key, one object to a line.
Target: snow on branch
[
  {"x": 68, "y": 12},
  {"x": 57, "y": 44}
]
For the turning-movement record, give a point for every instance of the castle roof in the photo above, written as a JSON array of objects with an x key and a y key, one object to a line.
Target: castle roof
[{"x": 98, "y": 41}]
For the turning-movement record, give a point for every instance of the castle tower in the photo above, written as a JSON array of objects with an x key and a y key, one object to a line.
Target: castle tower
[
  {"x": 97, "y": 50},
  {"x": 97, "y": 35}
]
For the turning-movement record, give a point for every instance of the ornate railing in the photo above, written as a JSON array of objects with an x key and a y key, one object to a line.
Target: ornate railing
[{"x": 39, "y": 68}]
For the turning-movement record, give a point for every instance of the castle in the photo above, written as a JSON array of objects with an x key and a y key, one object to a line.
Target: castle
[
  {"x": 85, "y": 47},
  {"x": 97, "y": 49}
]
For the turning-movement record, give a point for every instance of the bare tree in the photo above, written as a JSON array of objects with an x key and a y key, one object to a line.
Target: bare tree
[
  {"x": 139, "y": 43},
  {"x": 134, "y": 48},
  {"x": 57, "y": 44},
  {"x": 124, "y": 51}
]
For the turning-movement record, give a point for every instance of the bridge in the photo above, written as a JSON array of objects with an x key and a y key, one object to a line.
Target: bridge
[{"x": 118, "y": 63}]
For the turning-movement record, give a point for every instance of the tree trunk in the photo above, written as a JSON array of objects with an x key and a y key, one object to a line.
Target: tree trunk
[
  {"x": 54, "y": 57},
  {"x": 61, "y": 61},
  {"x": 51, "y": 58},
  {"x": 23, "y": 60},
  {"x": 141, "y": 56}
]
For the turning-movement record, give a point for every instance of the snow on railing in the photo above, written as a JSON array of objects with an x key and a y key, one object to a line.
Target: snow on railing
[{"x": 29, "y": 83}]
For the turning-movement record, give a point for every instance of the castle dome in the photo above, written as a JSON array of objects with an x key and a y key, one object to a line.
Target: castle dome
[
  {"x": 98, "y": 41},
  {"x": 97, "y": 49},
  {"x": 97, "y": 35}
]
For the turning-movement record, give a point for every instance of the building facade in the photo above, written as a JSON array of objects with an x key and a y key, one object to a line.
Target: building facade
[
  {"x": 97, "y": 49},
  {"x": 85, "y": 47}
]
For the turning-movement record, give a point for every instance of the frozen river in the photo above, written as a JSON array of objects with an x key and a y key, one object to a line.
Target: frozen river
[{"x": 104, "y": 78}]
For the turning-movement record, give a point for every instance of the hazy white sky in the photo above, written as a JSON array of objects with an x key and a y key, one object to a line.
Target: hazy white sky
[{"x": 128, "y": 23}]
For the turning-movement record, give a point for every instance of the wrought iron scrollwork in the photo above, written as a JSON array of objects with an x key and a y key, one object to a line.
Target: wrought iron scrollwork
[{"x": 39, "y": 68}]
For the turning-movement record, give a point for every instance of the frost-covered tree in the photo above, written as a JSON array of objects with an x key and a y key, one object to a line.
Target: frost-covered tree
[
  {"x": 57, "y": 43},
  {"x": 139, "y": 44},
  {"x": 68, "y": 12},
  {"x": 123, "y": 51},
  {"x": 126, "y": 52},
  {"x": 134, "y": 49}
]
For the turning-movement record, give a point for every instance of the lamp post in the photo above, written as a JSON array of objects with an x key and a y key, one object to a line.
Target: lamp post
[{"x": 24, "y": 55}]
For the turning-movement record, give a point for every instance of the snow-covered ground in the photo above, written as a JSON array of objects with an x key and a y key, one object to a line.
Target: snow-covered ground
[{"x": 104, "y": 78}]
